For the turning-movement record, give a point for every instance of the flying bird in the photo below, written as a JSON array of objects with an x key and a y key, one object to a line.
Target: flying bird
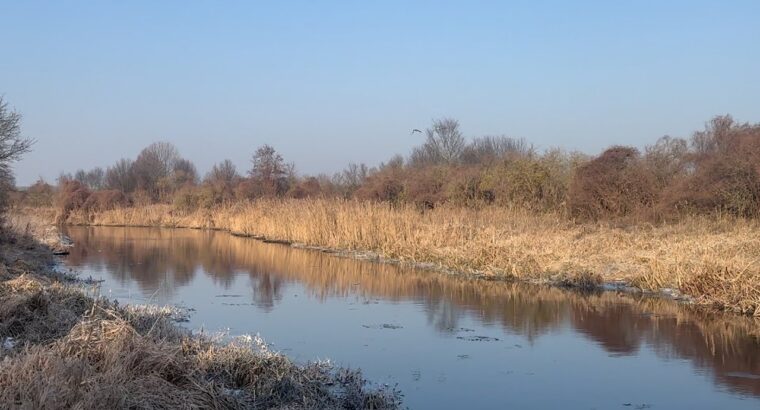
[{"x": 416, "y": 130}]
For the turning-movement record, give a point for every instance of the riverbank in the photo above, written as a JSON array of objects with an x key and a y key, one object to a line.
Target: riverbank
[
  {"x": 714, "y": 261},
  {"x": 64, "y": 349}
]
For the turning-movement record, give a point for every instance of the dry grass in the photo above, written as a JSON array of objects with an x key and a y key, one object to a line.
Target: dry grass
[
  {"x": 715, "y": 260},
  {"x": 62, "y": 349}
]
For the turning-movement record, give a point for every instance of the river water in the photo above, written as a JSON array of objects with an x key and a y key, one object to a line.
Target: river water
[{"x": 446, "y": 341}]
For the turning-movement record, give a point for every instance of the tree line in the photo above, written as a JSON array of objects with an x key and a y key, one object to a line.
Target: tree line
[{"x": 716, "y": 170}]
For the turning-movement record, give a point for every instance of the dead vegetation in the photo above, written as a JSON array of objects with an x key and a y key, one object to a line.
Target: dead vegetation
[
  {"x": 63, "y": 349},
  {"x": 714, "y": 259}
]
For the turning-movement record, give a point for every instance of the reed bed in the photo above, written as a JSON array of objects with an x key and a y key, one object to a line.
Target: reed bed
[{"x": 715, "y": 260}]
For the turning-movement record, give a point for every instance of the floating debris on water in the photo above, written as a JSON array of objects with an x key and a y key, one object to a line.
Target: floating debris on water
[
  {"x": 383, "y": 326},
  {"x": 479, "y": 338},
  {"x": 744, "y": 375}
]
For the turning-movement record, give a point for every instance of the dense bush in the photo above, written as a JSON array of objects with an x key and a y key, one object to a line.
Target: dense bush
[
  {"x": 723, "y": 173},
  {"x": 39, "y": 194},
  {"x": 306, "y": 188},
  {"x": 105, "y": 200},
  {"x": 612, "y": 185},
  {"x": 532, "y": 182},
  {"x": 72, "y": 195}
]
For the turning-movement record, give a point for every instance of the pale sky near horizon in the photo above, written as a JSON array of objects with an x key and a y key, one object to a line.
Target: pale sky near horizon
[{"x": 333, "y": 82}]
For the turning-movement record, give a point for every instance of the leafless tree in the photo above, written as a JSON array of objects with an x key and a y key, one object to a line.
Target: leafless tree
[
  {"x": 667, "y": 159},
  {"x": 166, "y": 154},
  {"x": 184, "y": 173},
  {"x": 444, "y": 144},
  {"x": 485, "y": 150},
  {"x": 121, "y": 176},
  {"x": 222, "y": 180},
  {"x": 94, "y": 179},
  {"x": 714, "y": 136},
  {"x": 224, "y": 173},
  {"x": 153, "y": 167},
  {"x": 12, "y": 147},
  {"x": 270, "y": 171},
  {"x": 351, "y": 178}
]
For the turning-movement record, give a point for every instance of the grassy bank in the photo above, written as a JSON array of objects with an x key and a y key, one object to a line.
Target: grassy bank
[
  {"x": 714, "y": 260},
  {"x": 63, "y": 349}
]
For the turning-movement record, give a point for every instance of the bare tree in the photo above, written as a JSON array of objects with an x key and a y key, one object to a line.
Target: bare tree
[
  {"x": 351, "y": 178},
  {"x": 444, "y": 144},
  {"x": 270, "y": 171},
  {"x": 12, "y": 147},
  {"x": 153, "y": 167},
  {"x": 166, "y": 154},
  {"x": 121, "y": 176},
  {"x": 715, "y": 135},
  {"x": 94, "y": 179},
  {"x": 485, "y": 150},
  {"x": 667, "y": 159},
  {"x": 224, "y": 173},
  {"x": 184, "y": 173}
]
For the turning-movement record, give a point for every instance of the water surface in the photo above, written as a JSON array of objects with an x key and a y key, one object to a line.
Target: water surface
[{"x": 448, "y": 342}]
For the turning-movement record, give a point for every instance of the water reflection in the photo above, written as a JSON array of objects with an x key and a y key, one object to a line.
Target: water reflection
[{"x": 726, "y": 346}]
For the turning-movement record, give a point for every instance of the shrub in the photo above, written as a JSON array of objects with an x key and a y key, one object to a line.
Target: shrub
[
  {"x": 186, "y": 200},
  {"x": 384, "y": 185},
  {"x": 40, "y": 194},
  {"x": 71, "y": 196},
  {"x": 537, "y": 183},
  {"x": 667, "y": 160},
  {"x": 723, "y": 174},
  {"x": 305, "y": 188},
  {"x": 463, "y": 187},
  {"x": 426, "y": 186},
  {"x": 612, "y": 185},
  {"x": 105, "y": 200}
]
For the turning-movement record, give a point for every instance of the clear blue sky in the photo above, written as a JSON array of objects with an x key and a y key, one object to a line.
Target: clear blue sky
[{"x": 328, "y": 83}]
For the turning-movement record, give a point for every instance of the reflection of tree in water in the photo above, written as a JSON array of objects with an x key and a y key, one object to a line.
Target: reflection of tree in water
[
  {"x": 618, "y": 324},
  {"x": 158, "y": 260},
  {"x": 266, "y": 290}
]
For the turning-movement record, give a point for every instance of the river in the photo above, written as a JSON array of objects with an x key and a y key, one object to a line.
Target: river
[{"x": 446, "y": 341}]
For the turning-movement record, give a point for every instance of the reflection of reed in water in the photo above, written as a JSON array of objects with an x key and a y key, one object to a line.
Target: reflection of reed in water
[{"x": 620, "y": 324}]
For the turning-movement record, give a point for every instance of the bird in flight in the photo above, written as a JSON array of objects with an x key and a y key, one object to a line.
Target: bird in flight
[{"x": 416, "y": 130}]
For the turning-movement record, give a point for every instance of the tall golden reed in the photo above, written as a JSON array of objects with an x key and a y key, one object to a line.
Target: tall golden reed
[{"x": 716, "y": 260}]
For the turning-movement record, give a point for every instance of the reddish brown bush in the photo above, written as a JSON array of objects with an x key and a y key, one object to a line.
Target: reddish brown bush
[
  {"x": 385, "y": 184},
  {"x": 248, "y": 189},
  {"x": 306, "y": 188},
  {"x": 71, "y": 196},
  {"x": 612, "y": 185},
  {"x": 725, "y": 174},
  {"x": 463, "y": 187},
  {"x": 105, "y": 200},
  {"x": 38, "y": 195},
  {"x": 425, "y": 186}
]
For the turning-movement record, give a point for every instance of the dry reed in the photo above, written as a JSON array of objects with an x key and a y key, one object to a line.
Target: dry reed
[{"x": 715, "y": 260}]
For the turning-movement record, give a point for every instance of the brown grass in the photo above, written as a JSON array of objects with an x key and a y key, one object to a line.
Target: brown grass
[
  {"x": 62, "y": 349},
  {"x": 715, "y": 260}
]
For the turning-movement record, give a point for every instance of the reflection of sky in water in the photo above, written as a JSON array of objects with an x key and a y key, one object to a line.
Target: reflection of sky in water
[{"x": 447, "y": 342}]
